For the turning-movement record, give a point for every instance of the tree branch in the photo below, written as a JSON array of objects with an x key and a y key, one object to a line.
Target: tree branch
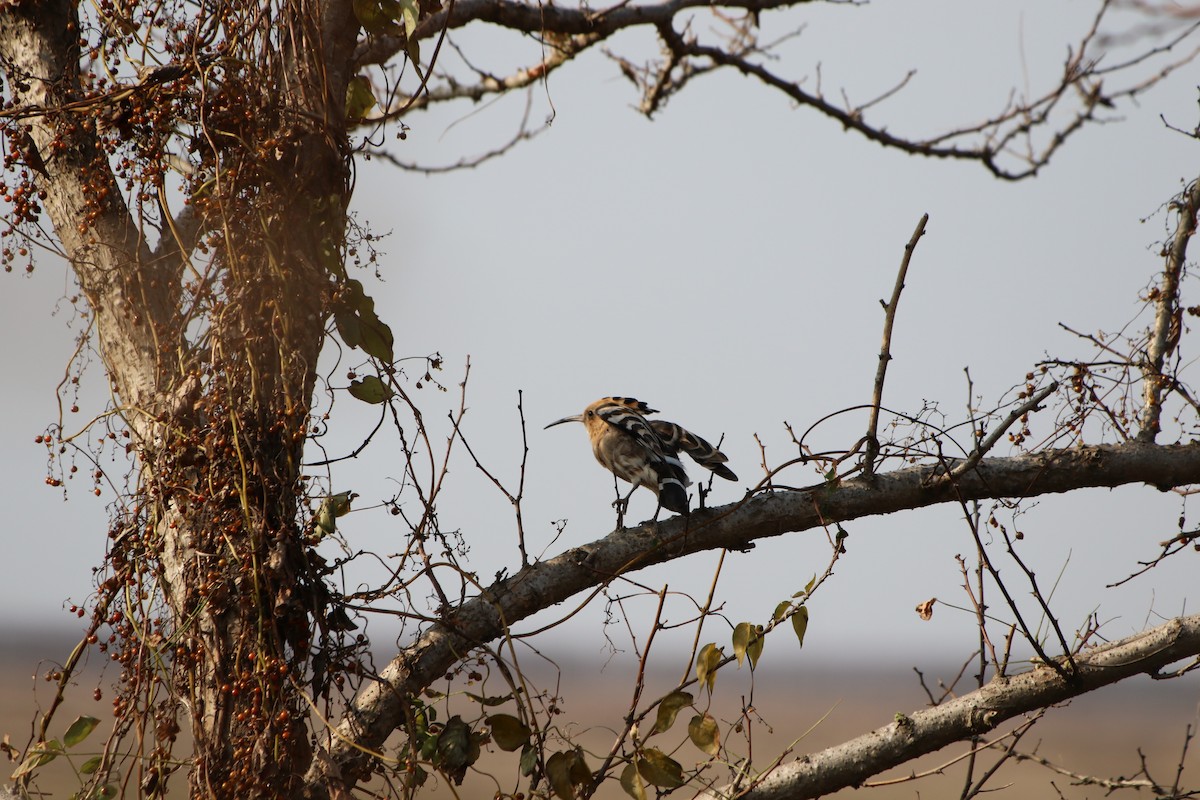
[
  {"x": 1168, "y": 315},
  {"x": 930, "y": 729},
  {"x": 1028, "y": 132},
  {"x": 885, "y": 350},
  {"x": 380, "y": 706},
  {"x": 132, "y": 295}
]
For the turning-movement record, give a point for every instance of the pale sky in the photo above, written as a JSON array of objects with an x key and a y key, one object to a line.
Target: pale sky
[{"x": 723, "y": 263}]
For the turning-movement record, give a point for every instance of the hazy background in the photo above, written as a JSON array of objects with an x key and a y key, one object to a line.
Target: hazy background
[{"x": 724, "y": 263}]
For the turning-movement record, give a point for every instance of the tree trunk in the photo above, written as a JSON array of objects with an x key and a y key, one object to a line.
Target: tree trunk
[{"x": 214, "y": 366}]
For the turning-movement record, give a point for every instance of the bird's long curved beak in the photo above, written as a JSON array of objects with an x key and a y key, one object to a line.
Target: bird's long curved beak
[{"x": 576, "y": 418}]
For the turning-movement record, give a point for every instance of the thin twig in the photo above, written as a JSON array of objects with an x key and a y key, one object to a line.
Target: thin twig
[
  {"x": 885, "y": 351},
  {"x": 987, "y": 444},
  {"x": 631, "y": 717}
]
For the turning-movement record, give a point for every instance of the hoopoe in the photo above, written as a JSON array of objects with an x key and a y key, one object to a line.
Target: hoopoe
[{"x": 646, "y": 452}]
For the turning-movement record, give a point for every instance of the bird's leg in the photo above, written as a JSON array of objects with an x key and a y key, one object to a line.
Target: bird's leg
[{"x": 621, "y": 504}]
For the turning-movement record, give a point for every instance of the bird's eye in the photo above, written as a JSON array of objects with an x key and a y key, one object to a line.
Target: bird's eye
[{"x": 591, "y": 414}]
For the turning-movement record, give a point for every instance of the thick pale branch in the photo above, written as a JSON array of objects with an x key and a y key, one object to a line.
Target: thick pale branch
[
  {"x": 379, "y": 709},
  {"x": 1168, "y": 320},
  {"x": 131, "y": 293},
  {"x": 974, "y": 714}
]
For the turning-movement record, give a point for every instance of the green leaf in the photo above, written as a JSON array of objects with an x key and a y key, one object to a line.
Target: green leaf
[
  {"x": 508, "y": 732},
  {"x": 781, "y": 610},
  {"x": 429, "y": 747},
  {"x": 703, "y": 732},
  {"x": 632, "y": 782},
  {"x": 376, "y": 336},
  {"x": 668, "y": 709},
  {"x": 457, "y": 749},
  {"x": 359, "y": 325},
  {"x": 378, "y": 16},
  {"x": 90, "y": 766},
  {"x": 800, "y": 623},
  {"x": 808, "y": 586},
  {"x": 106, "y": 792},
  {"x": 529, "y": 755},
  {"x": 359, "y": 98},
  {"x": 490, "y": 701},
  {"x": 660, "y": 769},
  {"x": 377, "y": 340},
  {"x": 370, "y": 389},
  {"x": 79, "y": 730},
  {"x": 415, "y": 776},
  {"x": 707, "y": 662}
]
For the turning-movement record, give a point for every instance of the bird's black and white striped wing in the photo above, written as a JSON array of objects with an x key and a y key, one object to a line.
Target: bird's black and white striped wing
[
  {"x": 675, "y": 438},
  {"x": 624, "y": 415}
]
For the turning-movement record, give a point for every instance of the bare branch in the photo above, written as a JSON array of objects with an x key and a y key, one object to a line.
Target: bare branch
[
  {"x": 987, "y": 444},
  {"x": 885, "y": 350},
  {"x": 930, "y": 729}
]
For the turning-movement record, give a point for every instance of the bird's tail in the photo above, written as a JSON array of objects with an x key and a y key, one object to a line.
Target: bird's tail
[
  {"x": 676, "y": 438},
  {"x": 671, "y": 482}
]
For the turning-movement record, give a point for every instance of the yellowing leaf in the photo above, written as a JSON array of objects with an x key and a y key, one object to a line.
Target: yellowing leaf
[
  {"x": 632, "y": 782},
  {"x": 800, "y": 623},
  {"x": 668, "y": 709},
  {"x": 707, "y": 662},
  {"x": 755, "y": 647},
  {"x": 660, "y": 769},
  {"x": 566, "y": 770},
  {"x": 580, "y": 773},
  {"x": 38, "y": 756},
  {"x": 558, "y": 772},
  {"x": 781, "y": 610},
  {"x": 410, "y": 12},
  {"x": 741, "y": 638},
  {"x": 359, "y": 98},
  {"x": 925, "y": 610},
  {"x": 703, "y": 732}
]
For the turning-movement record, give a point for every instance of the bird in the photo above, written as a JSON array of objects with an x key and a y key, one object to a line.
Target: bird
[{"x": 645, "y": 452}]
